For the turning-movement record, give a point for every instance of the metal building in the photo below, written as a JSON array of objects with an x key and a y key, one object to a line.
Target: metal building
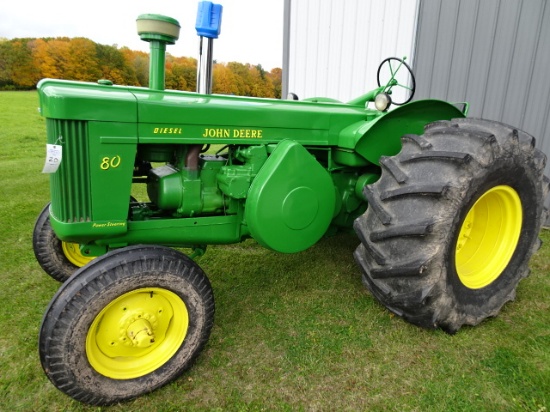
[
  {"x": 333, "y": 47},
  {"x": 494, "y": 54}
]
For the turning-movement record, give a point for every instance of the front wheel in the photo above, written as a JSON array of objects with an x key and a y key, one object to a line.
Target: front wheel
[
  {"x": 58, "y": 259},
  {"x": 129, "y": 322},
  {"x": 453, "y": 222}
]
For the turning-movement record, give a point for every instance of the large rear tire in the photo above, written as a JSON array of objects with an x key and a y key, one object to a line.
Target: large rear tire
[
  {"x": 452, "y": 223},
  {"x": 126, "y": 324}
]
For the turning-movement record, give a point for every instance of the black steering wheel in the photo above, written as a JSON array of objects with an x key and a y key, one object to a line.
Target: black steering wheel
[{"x": 402, "y": 80}]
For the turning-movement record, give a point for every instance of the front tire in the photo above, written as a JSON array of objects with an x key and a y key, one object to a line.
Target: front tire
[
  {"x": 453, "y": 222},
  {"x": 57, "y": 258},
  {"x": 126, "y": 324}
]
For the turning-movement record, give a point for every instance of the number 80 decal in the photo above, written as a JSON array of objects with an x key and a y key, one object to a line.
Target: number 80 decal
[{"x": 110, "y": 162}]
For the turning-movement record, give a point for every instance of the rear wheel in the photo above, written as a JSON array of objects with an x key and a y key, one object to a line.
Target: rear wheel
[
  {"x": 58, "y": 259},
  {"x": 452, "y": 223},
  {"x": 129, "y": 322}
]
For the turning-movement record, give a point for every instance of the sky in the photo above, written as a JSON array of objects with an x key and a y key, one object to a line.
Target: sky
[{"x": 251, "y": 30}]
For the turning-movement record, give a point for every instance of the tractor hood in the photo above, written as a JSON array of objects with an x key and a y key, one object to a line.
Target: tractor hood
[
  {"x": 187, "y": 117},
  {"x": 70, "y": 100}
]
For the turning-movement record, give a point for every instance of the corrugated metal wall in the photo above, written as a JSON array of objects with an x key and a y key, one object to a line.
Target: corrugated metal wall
[
  {"x": 335, "y": 46},
  {"x": 494, "y": 54}
]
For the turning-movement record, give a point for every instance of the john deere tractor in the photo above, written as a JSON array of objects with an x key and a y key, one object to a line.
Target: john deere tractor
[{"x": 447, "y": 209}]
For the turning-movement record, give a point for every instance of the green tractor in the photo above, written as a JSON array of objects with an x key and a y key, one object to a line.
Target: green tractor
[{"x": 447, "y": 210}]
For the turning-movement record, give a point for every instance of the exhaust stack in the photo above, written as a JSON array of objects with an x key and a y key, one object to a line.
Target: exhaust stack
[{"x": 208, "y": 26}]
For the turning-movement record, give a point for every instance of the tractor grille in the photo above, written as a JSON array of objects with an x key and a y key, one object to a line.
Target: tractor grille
[{"x": 70, "y": 185}]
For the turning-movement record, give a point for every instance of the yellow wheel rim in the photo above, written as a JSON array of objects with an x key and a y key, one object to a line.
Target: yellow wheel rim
[
  {"x": 74, "y": 255},
  {"x": 137, "y": 333},
  {"x": 488, "y": 237}
]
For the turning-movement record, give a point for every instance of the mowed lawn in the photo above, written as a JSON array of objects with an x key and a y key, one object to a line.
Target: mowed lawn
[{"x": 292, "y": 332}]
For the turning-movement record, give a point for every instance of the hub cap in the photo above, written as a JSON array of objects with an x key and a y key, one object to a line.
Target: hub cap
[
  {"x": 74, "y": 255},
  {"x": 137, "y": 333},
  {"x": 488, "y": 237}
]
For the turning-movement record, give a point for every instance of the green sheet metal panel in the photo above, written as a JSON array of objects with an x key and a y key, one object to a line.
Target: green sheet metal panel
[{"x": 291, "y": 201}]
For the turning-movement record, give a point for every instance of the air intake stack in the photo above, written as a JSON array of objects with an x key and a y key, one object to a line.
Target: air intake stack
[{"x": 159, "y": 31}]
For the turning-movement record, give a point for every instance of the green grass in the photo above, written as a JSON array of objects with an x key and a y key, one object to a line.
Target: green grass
[{"x": 292, "y": 332}]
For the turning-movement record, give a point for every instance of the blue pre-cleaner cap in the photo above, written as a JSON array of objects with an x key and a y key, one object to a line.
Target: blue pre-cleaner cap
[{"x": 209, "y": 19}]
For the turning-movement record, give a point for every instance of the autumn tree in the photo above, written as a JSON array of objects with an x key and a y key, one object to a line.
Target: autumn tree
[
  {"x": 46, "y": 60},
  {"x": 23, "y": 62},
  {"x": 59, "y": 51},
  {"x": 6, "y": 64},
  {"x": 23, "y": 73},
  {"x": 82, "y": 64},
  {"x": 181, "y": 73},
  {"x": 114, "y": 66},
  {"x": 140, "y": 62},
  {"x": 261, "y": 85},
  {"x": 224, "y": 80},
  {"x": 276, "y": 76},
  {"x": 242, "y": 80}
]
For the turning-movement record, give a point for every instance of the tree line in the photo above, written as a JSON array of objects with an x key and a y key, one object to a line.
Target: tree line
[{"x": 23, "y": 62}]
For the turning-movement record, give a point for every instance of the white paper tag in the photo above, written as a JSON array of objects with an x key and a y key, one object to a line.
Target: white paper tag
[{"x": 54, "y": 153}]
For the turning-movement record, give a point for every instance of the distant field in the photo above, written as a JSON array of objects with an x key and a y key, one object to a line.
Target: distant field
[{"x": 292, "y": 332}]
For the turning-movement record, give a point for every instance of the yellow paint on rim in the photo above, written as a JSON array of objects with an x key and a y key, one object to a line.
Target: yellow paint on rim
[
  {"x": 488, "y": 237},
  {"x": 137, "y": 333},
  {"x": 74, "y": 255}
]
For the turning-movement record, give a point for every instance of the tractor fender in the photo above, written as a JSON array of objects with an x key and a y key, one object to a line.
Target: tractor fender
[{"x": 382, "y": 135}]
